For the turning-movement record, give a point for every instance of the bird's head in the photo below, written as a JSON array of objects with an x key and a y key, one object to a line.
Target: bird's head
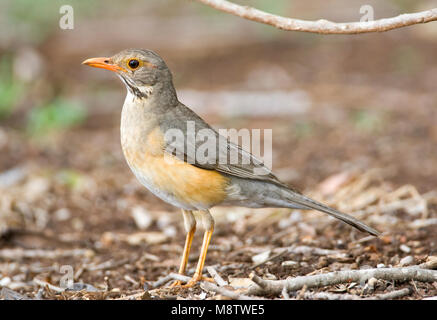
[{"x": 139, "y": 69}]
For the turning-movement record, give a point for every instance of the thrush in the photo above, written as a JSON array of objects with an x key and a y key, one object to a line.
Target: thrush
[{"x": 165, "y": 166}]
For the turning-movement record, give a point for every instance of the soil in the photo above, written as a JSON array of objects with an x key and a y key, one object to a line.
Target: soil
[{"x": 76, "y": 191}]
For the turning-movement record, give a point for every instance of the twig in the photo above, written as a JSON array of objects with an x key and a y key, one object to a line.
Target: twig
[
  {"x": 171, "y": 276},
  {"x": 285, "y": 294},
  {"x": 131, "y": 280},
  {"x": 329, "y": 296},
  {"x": 281, "y": 253},
  {"x": 9, "y": 294},
  {"x": 134, "y": 296},
  {"x": 316, "y": 251},
  {"x": 322, "y": 26},
  {"x": 346, "y": 296},
  {"x": 430, "y": 264},
  {"x": 17, "y": 254},
  {"x": 110, "y": 264},
  {"x": 362, "y": 240},
  {"x": 226, "y": 292},
  {"x": 292, "y": 284},
  {"x": 392, "y": 295},
  {"x": 217, "y": 278},
  {"x": 421, "y": 223},
  {"x": 44, "y": 284}
]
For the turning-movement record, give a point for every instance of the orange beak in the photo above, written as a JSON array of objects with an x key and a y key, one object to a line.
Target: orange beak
[{"x": 104, "y": 63}]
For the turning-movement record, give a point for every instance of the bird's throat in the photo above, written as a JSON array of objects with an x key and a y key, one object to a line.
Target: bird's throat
[{"x": 141, "y": 92}]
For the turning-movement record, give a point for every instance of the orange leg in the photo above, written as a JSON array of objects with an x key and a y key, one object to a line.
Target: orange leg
[
  {"x": 190, "y": 227},
  {"x": 187, "y": 247},
  {"x": 208, "y": 223}
]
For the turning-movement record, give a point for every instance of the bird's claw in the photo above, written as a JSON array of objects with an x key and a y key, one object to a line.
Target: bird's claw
[
  {"x": 176, "y": 283},
  {"x": 194, "y": 280}
]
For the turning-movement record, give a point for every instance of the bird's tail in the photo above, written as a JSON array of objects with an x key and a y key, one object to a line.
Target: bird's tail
[{"x": 308, "y": 203}]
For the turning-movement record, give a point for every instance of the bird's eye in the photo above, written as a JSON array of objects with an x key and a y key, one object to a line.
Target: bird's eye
[{"x": 133, "y": 63}]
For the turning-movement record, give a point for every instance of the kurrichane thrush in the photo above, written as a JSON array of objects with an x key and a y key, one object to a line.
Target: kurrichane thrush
[{"x": 165, "y": 166}]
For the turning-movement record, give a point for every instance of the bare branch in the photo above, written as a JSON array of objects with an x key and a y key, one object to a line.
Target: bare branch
[
  {"x": 323, "y": 26},
  {"x": 9, "y": 294},
  {"x": 346, "y": 296},
  {"x": 332, "y": 278},
  {"x": 217, "y": 278},
  {"x": 19, "y": 253},
  {"x": 392, "y": 295},
  {"x": 431, "y": 263},
  {"x": 226, "y": 292},
  {"x": 171, "y": 276},
  {"x": 45, "y": 284}
]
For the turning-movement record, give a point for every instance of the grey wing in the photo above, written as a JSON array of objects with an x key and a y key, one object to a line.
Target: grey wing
[
  {"x": 183, "y": 146},
  {"x": 192, "y": 140}
]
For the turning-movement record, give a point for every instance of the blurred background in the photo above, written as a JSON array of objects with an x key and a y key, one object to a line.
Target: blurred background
[{"x": 336, "y": 104}]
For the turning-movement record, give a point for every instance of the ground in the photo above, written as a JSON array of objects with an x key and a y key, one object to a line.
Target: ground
[{"x": 360, "y": 135}]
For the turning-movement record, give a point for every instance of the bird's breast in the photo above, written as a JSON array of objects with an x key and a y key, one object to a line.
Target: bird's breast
[{"x": 171, "y": 179}]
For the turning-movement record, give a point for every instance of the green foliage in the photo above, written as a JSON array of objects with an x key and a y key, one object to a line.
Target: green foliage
[
  {"x": 10, "y": 91},
  {"x": 368, "y": 121},
  {"x": 34, "y": 18},
  {"x": 303, "y": 129},
  {"x": 31, "y": 21},
  {"x": 70, "y": 178},
  {"x": 56, "y": 116}
]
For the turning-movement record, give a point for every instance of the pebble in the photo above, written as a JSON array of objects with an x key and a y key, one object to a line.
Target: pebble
[
  {"x": 62, "y": 214},
  {"x": 365, "y": 267},
  {"x": 261, "y": 257},
  {"x": 142, "y": 217},
  {"x": 290, "y": 264},
  {"x": 408, "y": 260},
  {"x": 238, "y": 283},
  {"x": 152, "y": 237},
  {"x": 5, "y": 281},
  {"x": 269, "y": 276},
  {"x": 405, "y": 248},
  {"x": 323, "y": 262},
  {"x": 11, "y": 177},
  {"x": 78, "y": 286}
]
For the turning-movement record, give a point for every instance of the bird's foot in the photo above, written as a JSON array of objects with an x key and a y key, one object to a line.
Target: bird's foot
[
  {"x": 196, "y": 278},
  {"x": 191, "y": 283},
  {"x": 176, "y": 283}
]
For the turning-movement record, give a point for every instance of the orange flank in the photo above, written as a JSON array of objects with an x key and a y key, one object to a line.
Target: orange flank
[{"x": 187, "y": 183}]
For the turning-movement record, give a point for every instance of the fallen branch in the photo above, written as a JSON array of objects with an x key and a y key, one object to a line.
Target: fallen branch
[
  {"x": 322, "y": 26},
  {"x": 332, "y": 278},
  {"x": 17, "y": 254},
  {"x": 392, "y": 295},
  {"x": 346, "y": 296},
  {"x": 171, "y": 276},
  {"x": 217, "y": 278},
  {"x": 45, "y": 284},
  {"x": 271, "y": 258},
  {"x": 139, "y": 295},
  {"x": 110, "y": 264},
  {"x": 9, "y": 294},
  {"x": 205, "y": 285},
  {"x": 431, "y": 263},
  {"x": 226, "y": 292},
  {"x": 306, "y": 250}
]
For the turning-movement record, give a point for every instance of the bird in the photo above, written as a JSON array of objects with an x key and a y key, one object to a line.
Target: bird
[{"x": 166, "y": 166}]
